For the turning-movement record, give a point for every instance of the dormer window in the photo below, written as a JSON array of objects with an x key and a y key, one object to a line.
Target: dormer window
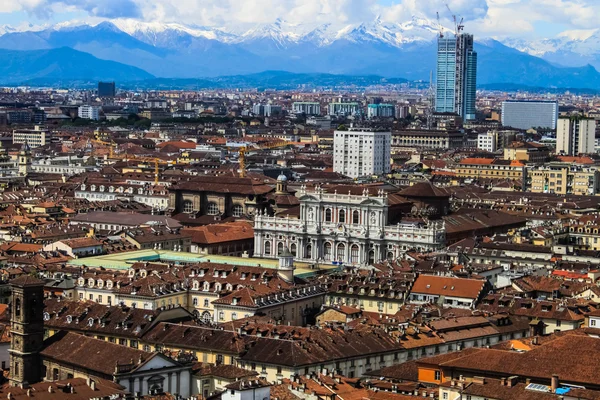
[
  {"x": 91, "y": 282},
  {"x": 206, "y": 286},
  {"x": 100, "y": 283},
  {"x": 217, "y": 287},
  {"x": 91, "y": 322},
  {"x": 111, "y": 189},
  {"x": 83, "y": 186},
  {"x": 93, "y": 188},
  {"x": 195, "y": 285},
  {"x": 81, "y": 281},
  {"x": 109, "y": 284},
  {"x": 46, "y": 316},
  {"x": 102, "y": 188},
  {"x": 229, "y": 287},
  {"x": 140, "y": 190},
  {"x": 69, "y": 319}
]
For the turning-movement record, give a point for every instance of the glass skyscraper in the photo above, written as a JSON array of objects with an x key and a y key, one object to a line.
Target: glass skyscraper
[{"x": 456, "y": 76}]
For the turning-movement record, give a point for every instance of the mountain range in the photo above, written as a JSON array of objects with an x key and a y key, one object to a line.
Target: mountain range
[{"x": 139, "y": 51}]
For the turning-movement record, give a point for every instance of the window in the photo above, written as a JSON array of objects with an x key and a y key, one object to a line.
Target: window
[
  {"x": 233, "y": 316},
  {"x": 212, "y": 209},
  {"x": 341, "y": 252},
  {"x": 592, "y": 322},
  {"x": 328, "y": 215},
  {"x": 237, "y": 211},
  {"x": 18, "y": 307},
  {"x": 279, "y": 248},
  {"x": 188, "y": 207},
  {"x": 558, "y": 323},
  {"x": 268, "y": 248},
  {"x": 206, "y": 303},
  {"x": 195, "y": 302},
  {"x": 354, "y": 251},
  {"x": 327, "y": 251},
  {"x": 438, "y": 375},
  {"x": 221, "y": 316},
  {"x": 445, "y": 396},
  {"x": 342, "y": 216}
]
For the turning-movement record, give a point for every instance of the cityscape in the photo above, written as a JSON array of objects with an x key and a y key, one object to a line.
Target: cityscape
[{"x": 276, "y": 200}]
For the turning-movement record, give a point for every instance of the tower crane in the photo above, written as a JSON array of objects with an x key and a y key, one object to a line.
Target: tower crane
[
  {"x": 243, "y": 150},
  {"x": 441, "y": 28}
]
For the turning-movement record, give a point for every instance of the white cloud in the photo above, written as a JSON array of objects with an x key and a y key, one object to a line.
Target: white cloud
[{"x": 482, "y": 17}]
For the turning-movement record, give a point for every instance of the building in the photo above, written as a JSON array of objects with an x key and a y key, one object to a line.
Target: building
[
  {"x": 487, "y": 141},
  {"x": 106, "y": 89},
  {"x": 526, "y": 114},
  {"x": 381, "y": 111},
  {"x": 478, "y": 168},
  {"x": 529, "y": 152},
  {"x": 36, "y": 137},
  {"x": 456, "y": 76},
  {"x": 575, "y": 135},
  {"x": 562, "y": 178},
  {"x": 117, "y": 221},
  {"x": 306, "y": 107},
  {"x": 442, "y": 140},
  {"x": 361, "y": 152},
  {"x": 344, "y": 228},
  {"x": 89, "y": 112},
  {"x": 447, "y": 291},
  {"x": 344, "y": 109}
]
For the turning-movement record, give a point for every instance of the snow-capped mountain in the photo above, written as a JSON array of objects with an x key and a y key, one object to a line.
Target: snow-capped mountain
[{"x": 391, "y": 49}]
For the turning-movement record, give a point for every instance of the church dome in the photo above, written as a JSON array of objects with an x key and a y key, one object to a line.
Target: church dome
[{"x": 282, "y": 178}]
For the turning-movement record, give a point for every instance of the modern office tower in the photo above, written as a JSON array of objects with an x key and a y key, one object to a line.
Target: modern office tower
[
  {"x": 575, "y": 135},
  {"x": 456, "y": 76},
  {"x": 272, "y": 110},
  {"x": 526, "y": 114},
  {"x": 359, "y": 152},
  {"x": 306, "y": 107},
  {"x": 258, "y": 109},
  {"x": 344, "y": 109},
  {"x": 89, "y": 112},
  {"x": 106, "y": 89},
  {"x": 380, "y": 111}
]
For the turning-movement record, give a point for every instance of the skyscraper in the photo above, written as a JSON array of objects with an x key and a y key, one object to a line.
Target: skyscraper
[{"x": 456, "y": 76}]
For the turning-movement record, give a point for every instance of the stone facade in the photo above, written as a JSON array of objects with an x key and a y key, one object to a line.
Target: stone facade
[{"x": 344, "y": 228}]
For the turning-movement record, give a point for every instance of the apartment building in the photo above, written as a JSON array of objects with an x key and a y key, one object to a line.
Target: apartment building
[
  {"x": 442, "y": 140},
  {"x": 358, "y": 152},
  {"x": 562, "y": 178},
  {"x": 489, "y": 168},
  {"x": 575, "y": 135}
]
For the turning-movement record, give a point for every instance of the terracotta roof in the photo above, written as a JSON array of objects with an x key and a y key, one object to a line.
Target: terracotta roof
[
  {"x": 477, "y": 161},
  {"x": 424, "y": 189},
  {"x": 95, "y": 355},
  {"x": 27, "y": 280},
  {"x": 219, "y": 233},
  {"x": 445, "y": 286},
  {"x": 79, "y": 243}
]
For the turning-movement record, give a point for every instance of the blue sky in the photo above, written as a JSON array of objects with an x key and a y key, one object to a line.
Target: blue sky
[{"x": 496, "y": 18}]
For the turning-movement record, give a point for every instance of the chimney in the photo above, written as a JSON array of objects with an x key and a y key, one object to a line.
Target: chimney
[
  {"x": 93, "y": 385},
  {"x": 512, "y": 381},
  {"x": 555, "y": 383}
]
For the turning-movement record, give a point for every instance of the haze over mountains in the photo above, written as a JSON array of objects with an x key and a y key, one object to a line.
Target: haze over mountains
[{"x": 140, "y": 50}]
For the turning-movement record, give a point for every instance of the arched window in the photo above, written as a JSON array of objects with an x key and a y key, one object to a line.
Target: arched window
[
  {"x": 390, "y": 255},
  {"x": 206, "y": 303},
  {"x": 308, "y": 252},
  {"x": 356, "y": 217},
  {"x": 328, "y": 215},
  {"x": 188, "y": 207},
  {"x": 354, "y": 253},
  {"x": 371, "y": 257},
  {"x": 206, "y": 318},
  {"x": 18, "y": 307},
  {"x": 293, "y": 249},
  {"x": 237, "y": 210},
  {"x": 268, "y": 248},
  {"x": 233, "y": 316},
  {"x": 341, "y": 252},
  {"x": 279, "y": 248},
  {"x": 195, "y": 301},
  {"x": 327, "y": 251},
  {"x": 342, "y": 216},
  {"x": 212, "y": 209}
]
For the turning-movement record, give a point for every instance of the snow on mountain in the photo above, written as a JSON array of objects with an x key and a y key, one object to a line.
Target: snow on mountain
[{"x": 150, "y": 32}]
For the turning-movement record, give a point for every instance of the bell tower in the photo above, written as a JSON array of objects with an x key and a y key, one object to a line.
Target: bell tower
[
  {"x": 286, "y": 268},
  {"x": 25, "y": 160},
  {"x": 26, "y": 330}
]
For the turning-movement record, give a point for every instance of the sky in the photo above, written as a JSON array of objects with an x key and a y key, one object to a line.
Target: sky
[{"x": 485, "y": 18}]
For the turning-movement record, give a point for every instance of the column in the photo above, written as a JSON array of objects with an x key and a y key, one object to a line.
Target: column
[
  {"x": 169, "y": 382},
  {"x": 178, "y": 382}
]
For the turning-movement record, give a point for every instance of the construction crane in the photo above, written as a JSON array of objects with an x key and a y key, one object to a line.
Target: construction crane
[
  {"x": 243, "y": 150},
  {"x": 110, "y": 144},
  {"x": 458, "y": 26},
  {"x": 157, "y": 161},
  {"x": 440, "y": 26}
]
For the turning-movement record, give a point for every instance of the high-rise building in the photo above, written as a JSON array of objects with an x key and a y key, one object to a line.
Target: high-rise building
[
  {"x": 106, "y": 89},
  {"x": 526, "y": 114},
  {"x": 575, "y": 135},
  {"x": 344, "y": 109},
  {"x": 89, "y": 112},
  {"x": 487, "y": 141},
  {"x": 359, "y": 152},
  {"x": 456, "y": 76},
  {"x": 380, "y": 110},
  {"x": 306, "y": 107}
]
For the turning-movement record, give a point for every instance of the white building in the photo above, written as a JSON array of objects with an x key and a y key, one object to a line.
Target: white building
[
  {"x": 89, "y": 112},
  {"x": 575, "y": 135},
  {"x": 343, "y": 228},
  {"x": 487, "y": 141},
  {"x": 344, "y": 109},
  {"x": 361, "y": 152},
  {"x": 306, "y": 107},
  {"x": 526, "y": 114},
  {"x": 35, "y": 137}
]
